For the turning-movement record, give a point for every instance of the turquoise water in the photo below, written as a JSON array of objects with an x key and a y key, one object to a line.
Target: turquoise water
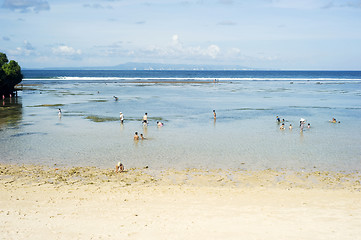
[{"x": 245, "y": 134}]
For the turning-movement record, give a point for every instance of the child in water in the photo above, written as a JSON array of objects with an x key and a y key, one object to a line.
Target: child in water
[
  {"x": 136, "y": 137},
  {"x": 334, "y": 120}
]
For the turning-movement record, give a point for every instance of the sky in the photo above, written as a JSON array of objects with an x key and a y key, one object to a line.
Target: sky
[{"x": 256, "y": 34}]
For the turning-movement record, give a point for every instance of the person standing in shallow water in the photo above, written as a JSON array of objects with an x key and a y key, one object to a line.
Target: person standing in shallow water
[
  {"x": 302, "y": 125},
  {"x": 145, "y": 118},
  {"x": 121, "y": 117},
  {"x": 214, "y": 114}
]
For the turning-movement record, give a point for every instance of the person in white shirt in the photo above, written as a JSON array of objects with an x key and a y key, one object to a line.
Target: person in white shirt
[
  {"x": 145, "y": 118},
  {"x": 121, "y": 117}
]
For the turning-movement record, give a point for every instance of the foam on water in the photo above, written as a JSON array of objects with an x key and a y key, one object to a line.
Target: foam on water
[{"x": 195, "y": 79}]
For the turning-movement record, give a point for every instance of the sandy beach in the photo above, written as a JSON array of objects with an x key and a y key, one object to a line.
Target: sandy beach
[{"x": 39, "y": 202}]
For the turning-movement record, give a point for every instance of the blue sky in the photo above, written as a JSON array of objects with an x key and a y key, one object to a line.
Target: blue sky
[{"x": 268, "y": 34}]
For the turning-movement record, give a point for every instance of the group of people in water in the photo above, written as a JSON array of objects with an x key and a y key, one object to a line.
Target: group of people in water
[
  {"x": 10, "y": 97},
  {"x": 145, "y": 124},
  {"x": 136, "y": 137},
  {"x": 144, "y": 120},
  {"x": 120, "y": 167},
  {"x": 302, "y": 123}
]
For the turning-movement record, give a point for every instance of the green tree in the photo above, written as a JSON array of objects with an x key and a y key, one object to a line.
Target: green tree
[
  {"x": 3, "y": 58},
  {"x": 10, "y": 75}
]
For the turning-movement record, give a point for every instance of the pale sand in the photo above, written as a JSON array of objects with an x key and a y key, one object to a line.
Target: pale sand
[{"x": 38, "y": 202}]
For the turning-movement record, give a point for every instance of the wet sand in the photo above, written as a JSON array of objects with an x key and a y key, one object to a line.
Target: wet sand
[{"x": 40, "y": 202}]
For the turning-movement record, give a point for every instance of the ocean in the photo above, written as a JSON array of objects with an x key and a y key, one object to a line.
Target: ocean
[{"x": 245, "y": 134}]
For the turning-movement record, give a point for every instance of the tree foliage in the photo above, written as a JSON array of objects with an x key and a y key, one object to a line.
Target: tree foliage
[
  {"x": 10, "y": 74},
  {"x": 3, "y": 58}
]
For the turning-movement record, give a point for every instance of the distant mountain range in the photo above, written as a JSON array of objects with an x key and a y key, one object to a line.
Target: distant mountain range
[{"x": 156, "y": 66}]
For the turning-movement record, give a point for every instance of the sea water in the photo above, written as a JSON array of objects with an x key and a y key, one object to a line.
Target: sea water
[{"x": 245, "y": 134}]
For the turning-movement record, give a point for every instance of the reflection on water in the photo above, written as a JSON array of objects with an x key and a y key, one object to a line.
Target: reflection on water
[{"x": 11, "y": 110}]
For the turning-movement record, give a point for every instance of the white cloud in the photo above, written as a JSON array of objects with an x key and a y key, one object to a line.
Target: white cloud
[
  {"x": 66, "y": 51},
  {"x": 19, "y": 51},
  {"x": 175, "y": 39},
  {"x": 26, "y": 50},
  {"x": 213, "y": 51},
  {"x": 235, "y": 51},
  {"x": 176, "y": 50}
]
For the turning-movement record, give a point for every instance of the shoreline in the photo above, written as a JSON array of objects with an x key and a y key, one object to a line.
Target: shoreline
[
  {"x": 118, "y": 81},
  {"x": 269, "y": 178},
  {"x": 39, "y": 202}
]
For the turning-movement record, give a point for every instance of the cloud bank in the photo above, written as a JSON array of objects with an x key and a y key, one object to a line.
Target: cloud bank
[
  {"x": 66, "y": 51},
  {"x": 26, "y": 5},
  {"x": 26, "y": 49}
]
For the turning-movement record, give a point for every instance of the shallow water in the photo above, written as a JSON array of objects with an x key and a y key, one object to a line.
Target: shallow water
[{"x": 244, "y": 136}]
